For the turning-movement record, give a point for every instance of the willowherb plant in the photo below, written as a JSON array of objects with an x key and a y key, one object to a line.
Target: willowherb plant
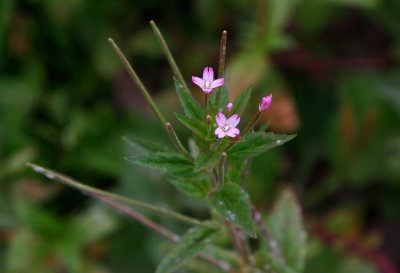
[{"x": 212, "y": 168}]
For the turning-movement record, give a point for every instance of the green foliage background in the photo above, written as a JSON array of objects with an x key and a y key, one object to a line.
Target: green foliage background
[{"x": 65, "y": 102}]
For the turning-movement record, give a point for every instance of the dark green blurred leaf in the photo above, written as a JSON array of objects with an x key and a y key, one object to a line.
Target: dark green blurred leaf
[
  {"x": 232, "y": 203},
  {"x": 190, "y": 106},
  {"x": 286, "y": 225},
  {"x": 191, "y": 244},
  {"x": 207, "y": 159},
  {"x": 189, "y": 186},
  {"x": 254, "y": 144},
  {"x": 163, "y": 161},
  {"x": 196, "y": 126}
]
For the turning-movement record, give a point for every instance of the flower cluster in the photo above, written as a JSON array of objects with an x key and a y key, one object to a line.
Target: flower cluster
[{"x": 225, "y": 126}]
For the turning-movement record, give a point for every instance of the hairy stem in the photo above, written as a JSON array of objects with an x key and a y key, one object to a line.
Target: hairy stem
[
  {"x": 91, "y": 190},
  {"x": 221, "y": 167},
  {"x": 238, "y": 243},
  {"x": 156, "y": 228},
  {"x": 175, "y": 140},
  {"x": 252, "y": 122},
  {"x": 168, "y": 55},
  {"x": 137, "y": 81},
  {"x": 273, "y": 244}
]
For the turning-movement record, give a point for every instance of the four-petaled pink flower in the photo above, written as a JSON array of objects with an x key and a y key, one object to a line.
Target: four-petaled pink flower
[
  {"x": 227, "y": 127},
  {"x": 265, "y": 102},
  {"x": 207, "y": 83}
]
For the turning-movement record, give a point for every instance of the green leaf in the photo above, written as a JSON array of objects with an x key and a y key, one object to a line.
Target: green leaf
[
  {"x": 240, "y": 103},
  {"x": 196, "y": 126},
  {"x": 206, "y": 159},
  {"x": 190, "y": 106},
  {"x": 254, "y": 144},
  {"x": 268, "y": 264},
  {"x": 163, "y": 161},
  {"x": 191, "y": 187},
  {"x": 232, "y": 203},
  {"x": 191, "y": 244},
  {"x": 145, "y": 146},
  {"x": 286, "y": 226}
]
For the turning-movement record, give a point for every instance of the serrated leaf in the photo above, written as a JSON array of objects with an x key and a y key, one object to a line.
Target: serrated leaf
[
  {"x": 145, "y": 146},
  {"x": 286, "y": 225},
  {"x": 164, "y": 161},
  {"x": 206, "y": 159},
  {"x": 240, "y": 103},
  {"x": 232, "y": 203},
  {"x": 254, "y": 144},
  {"x": 196, "y": 126},
  {"x": 192, "y": 243},
  {"x": 190, "y": 187},
  {"x": 190, "y": 106}
]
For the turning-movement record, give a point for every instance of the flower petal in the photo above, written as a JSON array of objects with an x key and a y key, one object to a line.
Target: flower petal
[
  {"x": 218, "y": 131},
  {"x": 208, "y": 74},
  {"x": 221, "y": 119},
  {"x": 234, "y": 120},
  {"x": 217, "y": 83},
  {"x": 222, "y": 135},
  {"x": 233, "y": 132},
  {"x": 198, "y": 81}
]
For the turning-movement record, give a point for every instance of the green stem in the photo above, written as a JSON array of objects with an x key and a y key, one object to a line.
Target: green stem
[
  {"x": 221, "y": 66},
  {"x": 175, "y": 140},
  {"x": 137, "y": 81},
  {"x": 168, "y": 55},
  {"x": 251, "y": 124},
  {"x": 91, "y": 190},
  {"x": 221, "y": 166}
]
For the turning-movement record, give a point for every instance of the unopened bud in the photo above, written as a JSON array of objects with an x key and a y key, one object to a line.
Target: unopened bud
[
  {"x": 208, "y": 119},
  {"x": 229, "y": 107},
  {"x": 265, "y": 103}
]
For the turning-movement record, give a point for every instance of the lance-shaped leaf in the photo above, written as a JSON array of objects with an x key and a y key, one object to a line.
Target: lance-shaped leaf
[
  {"x": 232, "y": 203},
  {"x": 190, "y": 106},
  {"x": 254, "y": 144},
  {"x": 207, "y": 159},
  {"x": 168, "y": 161},
  {"x": 198, "y": 127},
  {"x": 240, "y": 103},
  {"x": 192, "y": 243},
  {"x": 286, "y": 225},
  {"x": 189, "y": 186}
]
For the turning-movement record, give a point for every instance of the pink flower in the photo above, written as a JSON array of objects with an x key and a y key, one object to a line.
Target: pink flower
[
  {"x": 207, "y": 83},
  {"x": 265, "y": 102},
  {"x": 227, "y": 127},
  {"x": 229, "y": 107}
]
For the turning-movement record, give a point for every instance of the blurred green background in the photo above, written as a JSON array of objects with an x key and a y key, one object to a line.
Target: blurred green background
[{"x": 65, "y": 103}]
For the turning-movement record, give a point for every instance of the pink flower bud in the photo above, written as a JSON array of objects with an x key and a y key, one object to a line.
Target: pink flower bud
[
  {"x": 229, "y": 107},
  {"x": 265, "y": 102}
]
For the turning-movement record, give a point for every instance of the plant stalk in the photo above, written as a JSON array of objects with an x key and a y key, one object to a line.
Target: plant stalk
[
  {"x": 221, "y": 65},
  {"x": 137, "y": 81},
  {"x": 88, "y": 189},
  {"x": 168, "y": 55},
  {"x": 175, "y": 140}
]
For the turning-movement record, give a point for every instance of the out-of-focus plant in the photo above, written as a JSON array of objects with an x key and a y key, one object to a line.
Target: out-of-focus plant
[{"x": 212, "y": 167}]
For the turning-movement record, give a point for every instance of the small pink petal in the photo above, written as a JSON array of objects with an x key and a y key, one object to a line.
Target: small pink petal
[
  {"x": 207, "y": 90},
  {"x": 221, "y": 119},
  {"x": 221, "y": 135},
  {"x": 218, "y": 131},
  {"x": 234, "y": 120},
  {"x": 217, "y": 83},
  {"x": 232, "y": 132},
  {"x": 208, "y": 74},
  {"x": 198, "y": 81}
]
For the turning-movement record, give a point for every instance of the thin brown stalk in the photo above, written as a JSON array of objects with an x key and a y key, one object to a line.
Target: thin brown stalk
[{"x": 221, "y": 65}]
